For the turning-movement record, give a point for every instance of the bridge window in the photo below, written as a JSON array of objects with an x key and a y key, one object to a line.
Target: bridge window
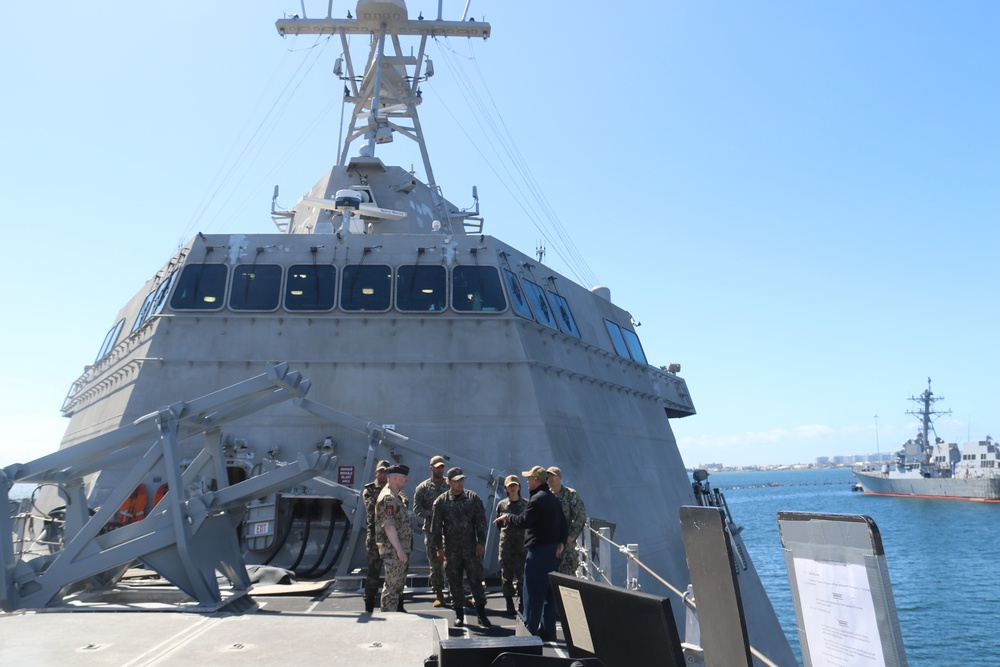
[
  {"x": 255, "y": 287},
  {"x": 518, "y": 299},
  {"x": 634, "y": 346},
  {"x": 310, "y": 287},
  {"x": 477, "y": 289},
  {"x": 536, "y": 296},
  {"x": 421, "y": 288},
  {"x": 626, "y": 342},
  {"x": 366, "y": 288},
  {"x": 564, "y": 318},
  {"x": 617, "y": 339},
  {"x": 109, "y": 340},
  {"x": 200, "y": 287},
  {"x": 153, "y": 305}
]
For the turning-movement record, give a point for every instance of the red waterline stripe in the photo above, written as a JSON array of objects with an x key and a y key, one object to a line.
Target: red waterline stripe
[{"x": 913, "y": 495}]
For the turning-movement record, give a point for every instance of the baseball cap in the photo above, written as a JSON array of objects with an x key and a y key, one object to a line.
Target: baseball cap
[
  {"x": 538, "y": 472},
  {"x": 455, "y": 474},
  {"x": 437, "y": 461}
]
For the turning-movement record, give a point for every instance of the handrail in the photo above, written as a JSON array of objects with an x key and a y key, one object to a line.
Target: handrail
[{"x": 685, "y": 597}]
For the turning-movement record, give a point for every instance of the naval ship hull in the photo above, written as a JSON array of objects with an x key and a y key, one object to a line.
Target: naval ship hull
[
  {"x": 982, "y": 489},
  {"x": 417, "y": 335}
]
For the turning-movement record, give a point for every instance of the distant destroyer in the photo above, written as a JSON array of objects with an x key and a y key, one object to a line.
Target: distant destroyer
[{"x": 938, "y": 469}]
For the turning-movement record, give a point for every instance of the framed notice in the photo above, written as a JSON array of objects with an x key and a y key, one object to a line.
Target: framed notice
[{"x": 844, "y": 607}]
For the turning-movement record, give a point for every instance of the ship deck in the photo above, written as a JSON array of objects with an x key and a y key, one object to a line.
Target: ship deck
[{"x": 308, "y": 624}]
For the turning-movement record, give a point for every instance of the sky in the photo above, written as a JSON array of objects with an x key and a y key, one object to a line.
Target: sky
[{"x": 798, "y": 201}]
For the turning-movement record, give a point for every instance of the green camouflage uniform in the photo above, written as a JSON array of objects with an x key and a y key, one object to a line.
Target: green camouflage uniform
[
  {"x": 369, "y": 495},
  {"x": 390, "y": 508},
  {"x": 423, "y": 506},
  {"x": 576, "y": 519},
  {"x": 459, "y": 525},
  {"x": 512, "y": 550}
]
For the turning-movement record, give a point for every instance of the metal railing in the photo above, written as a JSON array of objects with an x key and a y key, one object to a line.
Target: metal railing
[{"x": 605, "y": 545}]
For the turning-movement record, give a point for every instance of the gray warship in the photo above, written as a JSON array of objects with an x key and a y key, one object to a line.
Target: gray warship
[
  {"x": 923, "y": 469},
  {"x": 379, "y": 320}
]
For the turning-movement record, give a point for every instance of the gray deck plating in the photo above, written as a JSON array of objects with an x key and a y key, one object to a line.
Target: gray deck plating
[{"x": 301, "y": 630}]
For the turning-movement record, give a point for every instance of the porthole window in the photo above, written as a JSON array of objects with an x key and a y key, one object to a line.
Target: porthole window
[
  {"x": 518, "y": 299},
  {"x": 477, "y": 289},
  {"x": 200, "y": 287},
  {"x": 366, "y": 288},
  {"x": 310, "y": 287},
  {"x": 539, "y": 304},
  {"x": 255, "y": 287},
  {"x": 421, "y": 288},
  {"x": 564, "y": 318}
]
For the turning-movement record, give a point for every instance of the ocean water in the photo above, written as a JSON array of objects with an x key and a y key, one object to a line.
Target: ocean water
[{"x": 942, "y": 557}]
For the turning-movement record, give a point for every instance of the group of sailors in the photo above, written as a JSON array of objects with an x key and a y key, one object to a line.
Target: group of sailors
[{"x": 538, "y": 535}]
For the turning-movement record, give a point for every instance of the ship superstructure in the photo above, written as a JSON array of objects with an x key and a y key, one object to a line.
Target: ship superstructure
[
  {"x": 409, "y": 320},
  {"x": 936, "y": 469}
]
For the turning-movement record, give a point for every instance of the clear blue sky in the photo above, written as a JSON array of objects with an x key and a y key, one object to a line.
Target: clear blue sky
[{"x": 809, "y": 193}]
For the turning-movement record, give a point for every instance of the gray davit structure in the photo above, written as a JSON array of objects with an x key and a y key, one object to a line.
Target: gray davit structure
[{"x": 415, "y": 333}]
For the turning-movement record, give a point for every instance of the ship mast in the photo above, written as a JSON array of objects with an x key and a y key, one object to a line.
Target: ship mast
[
  {"x": 386, "y": 97},
  {"x": 926, "y": 414}
]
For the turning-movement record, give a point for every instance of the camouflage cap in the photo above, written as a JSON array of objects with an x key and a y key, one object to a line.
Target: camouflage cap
[
  {"x": 538, "y": 472},
  {"x": 437, "y": 462},
  {"x": 382, "y": 466},
  {"x": 455, "y": 474},
  {"x": 554, "y": 471}
]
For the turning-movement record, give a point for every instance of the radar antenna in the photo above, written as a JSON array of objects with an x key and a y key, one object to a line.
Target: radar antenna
[
  {"x": 386, "y": 97},
  {"x": 926, "y": 415}
]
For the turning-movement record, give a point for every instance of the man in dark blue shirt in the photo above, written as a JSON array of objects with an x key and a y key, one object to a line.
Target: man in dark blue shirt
[{"x": 544, "y": 537}]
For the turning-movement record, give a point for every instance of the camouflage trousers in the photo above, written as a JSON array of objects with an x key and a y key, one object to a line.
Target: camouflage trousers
[
  {"x": 570, "y": 560},
  {"x": 512, "y": 570},
  {"x": 395, "y": 582},
  {"x": 374, "y": 569},
  {"x": 461, "y": 562},
  {"x": 436, "y": 578}
]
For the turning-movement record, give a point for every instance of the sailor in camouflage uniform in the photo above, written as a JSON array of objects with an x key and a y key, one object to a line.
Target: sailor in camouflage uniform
[
  {"x": 512, "y": 549},
  {"x": 394, "y": 536},
  {"x": 369, "y": 494},
  {"x": 459, "y": 531},
  {"x": 576, "y": 519},
  {"x": 423, "y": 505}
]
